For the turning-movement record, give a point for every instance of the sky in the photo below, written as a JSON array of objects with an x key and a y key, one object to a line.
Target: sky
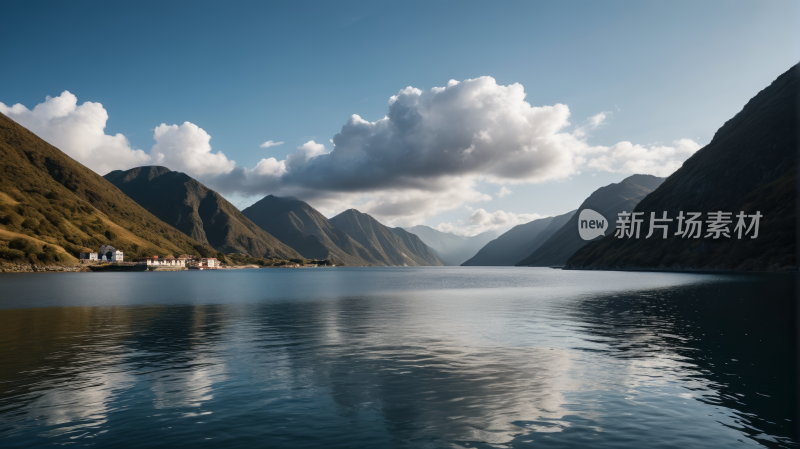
[{"x": 464, "y": 116}]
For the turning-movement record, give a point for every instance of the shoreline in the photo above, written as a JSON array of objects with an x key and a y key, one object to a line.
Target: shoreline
[
  {"x": 85, "y": 268},
  {"x": 30, "y": 268},
  {"x": 782, "y": 270}
]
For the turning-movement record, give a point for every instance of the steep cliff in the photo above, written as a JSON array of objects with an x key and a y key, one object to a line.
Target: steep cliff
[{"x": 749, "y": 166}]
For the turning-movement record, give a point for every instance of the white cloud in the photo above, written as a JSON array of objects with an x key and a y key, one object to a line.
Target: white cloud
[
  {"x": 425, "y": 156},
  {"x": 474, "y": 128},
  {"x": 393, "y": 207},
  {"x": 625, "y": 157},
  {"x": 592, "y": 122},
  {"x": 270, "y": 143},
  {"x": 482, "y": 221},
  {"x": 78, "y": 131},
  {"x": 187, "y": 148},
  {"x": 270, "y": 167},
  {"x": 409, "y": 207},
  {"x": 432, "y": 147},
  {"x": 303, "y": 154},
  {"x": 504, "y": 191}
]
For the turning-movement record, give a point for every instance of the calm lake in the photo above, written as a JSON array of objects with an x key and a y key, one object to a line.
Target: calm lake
[{"x": 445, "y": 357}]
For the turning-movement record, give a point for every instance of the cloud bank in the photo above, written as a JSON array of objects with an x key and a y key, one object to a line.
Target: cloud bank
[
  {"x": 433, "y": 147},
  {"x": 78, "y": 131},
  {"x": 426, "y": 155},
  {"x": 482, "y": 221}
]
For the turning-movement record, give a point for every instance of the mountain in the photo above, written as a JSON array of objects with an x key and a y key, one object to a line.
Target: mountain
[
  {"x": 518, "y": 242},
  {"x": 451, "y": 249},
  {"x": 197, "y": 211},
  {"x": 52, "y": 208},
  {"x": 302, "y": 227},
  {"x": 749, "y": 166},
  {"x": 607, "y": 201},
  {"x": 392, "y": 247}
]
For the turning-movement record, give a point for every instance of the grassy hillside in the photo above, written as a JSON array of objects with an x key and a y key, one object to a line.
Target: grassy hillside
[
  {"x": 198, "y": 212},
  {"x": 52, "y": 208}
]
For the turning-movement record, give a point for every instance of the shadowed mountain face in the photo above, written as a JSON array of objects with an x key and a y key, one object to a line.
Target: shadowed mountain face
[
  {"x": 519, "y": 242},
  {"x": 303, "y": 228},
  {"x": 46, "y": 197},
  {"x": 451, "y": 249},
  {"x": 197, "y": 211},
  {"x": 607, "y": 201},
  {"x": 749, "y": 166},
  {"x": 393, "y": 247}
]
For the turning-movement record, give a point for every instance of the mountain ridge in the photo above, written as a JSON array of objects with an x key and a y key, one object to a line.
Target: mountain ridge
[
  {"x": 199, "y": 212},
  {"x": 608, "y": 201},
  {"x": 505, "y": 249},
  {"x": 307, "y": 230},
  {"x": 389, "y": 246},
  {"x": 52, "y": 208},
  {"x": 749, "y": 166}
]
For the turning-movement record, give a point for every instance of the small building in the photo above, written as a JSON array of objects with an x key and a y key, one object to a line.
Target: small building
[
  {"x": 209, "y": 262},
  {"x": 110, "y": 254},
  {"x": 89, "y": 256},
  {"x": 169, "y": 261}
]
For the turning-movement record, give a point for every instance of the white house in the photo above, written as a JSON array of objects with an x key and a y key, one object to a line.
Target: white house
[
  {"x": 88, "y": 256},
  {"x": 209, "y": 262},
  {"x": 111, "y": 254}
]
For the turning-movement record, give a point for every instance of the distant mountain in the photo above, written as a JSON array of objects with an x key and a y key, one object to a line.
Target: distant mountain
[
  {"x": 749, "y": 166},
  {"x": 197, "y": 211},
  {"x": 303, "y": 228},
  {"x": 52, "y": 208},
  {"x": 557, "y": 223},
  {"x": 608, "y": 201},
  {"x": 451, "y": 249},
  {"x": 518, "y": 243},
  {"x": 394, "y": 247}
]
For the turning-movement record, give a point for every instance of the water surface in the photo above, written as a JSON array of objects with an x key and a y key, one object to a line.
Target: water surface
[{"x": 397, "y": 357}]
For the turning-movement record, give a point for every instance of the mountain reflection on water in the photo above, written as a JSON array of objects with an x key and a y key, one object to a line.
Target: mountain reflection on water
[{"x": 398, "y": 358}]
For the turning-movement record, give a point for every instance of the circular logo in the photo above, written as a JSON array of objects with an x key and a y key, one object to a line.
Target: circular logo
[{"x": 591, "y": 224}]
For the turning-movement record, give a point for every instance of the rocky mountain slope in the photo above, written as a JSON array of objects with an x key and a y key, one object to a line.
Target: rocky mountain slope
[
  {"x": 303, "y": 228},
  {"x": 749, "y": 166},
  {"x": 518, "y": 243},
  {"x": 52, "y": 208},
  {"x": 197, "y": 211},
  {"x": 393, "y": 247},
  {"x": 451, "y": 249},
  {"x": 607, "y": 201}
]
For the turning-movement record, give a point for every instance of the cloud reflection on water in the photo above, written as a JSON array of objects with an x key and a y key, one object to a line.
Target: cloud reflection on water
[{"x": 524, "y": 366}]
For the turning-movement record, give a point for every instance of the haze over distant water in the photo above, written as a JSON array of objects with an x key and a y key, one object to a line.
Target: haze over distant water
[{"x": 397, "y": 357}]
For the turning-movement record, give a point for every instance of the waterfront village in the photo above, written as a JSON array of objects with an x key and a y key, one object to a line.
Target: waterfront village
[
  {"x": 110, "y": 254},
  {"x": 112, "y": 259}
]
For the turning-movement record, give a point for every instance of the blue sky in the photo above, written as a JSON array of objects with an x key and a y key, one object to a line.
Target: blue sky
[{"x": 250, "y": 72}]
